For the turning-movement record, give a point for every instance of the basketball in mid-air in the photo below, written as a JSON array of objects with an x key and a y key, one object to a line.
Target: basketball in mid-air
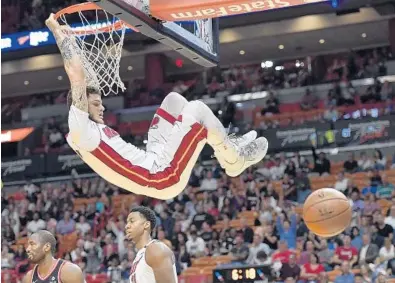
[{"x": 327, "y": 212}]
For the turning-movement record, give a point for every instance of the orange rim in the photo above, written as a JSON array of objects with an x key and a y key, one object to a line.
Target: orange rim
[{"x": 89, "y": 6}]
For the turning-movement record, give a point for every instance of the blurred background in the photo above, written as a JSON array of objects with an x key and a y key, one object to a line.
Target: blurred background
[{"x": 316, "y": 80}]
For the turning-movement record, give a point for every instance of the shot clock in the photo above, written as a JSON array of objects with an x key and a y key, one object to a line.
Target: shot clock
[{"x": 256, "y": 274}]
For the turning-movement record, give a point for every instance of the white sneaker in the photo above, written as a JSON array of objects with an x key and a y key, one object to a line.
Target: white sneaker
[
  {"x": 249, "y": 155},
  {"x": 244, "y": 139},
  {"x": 237, "y": 142}
]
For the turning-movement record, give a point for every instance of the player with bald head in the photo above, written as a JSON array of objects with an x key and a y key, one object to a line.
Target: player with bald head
[{"x": 40, "y": 251}]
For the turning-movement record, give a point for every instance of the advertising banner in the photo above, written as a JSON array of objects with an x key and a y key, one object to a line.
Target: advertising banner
[
  {"x": 17, "y": 169},
  {"x": 366, "y": 131},
  {"x": 64, "y": 163},
  {"x": 297, "y": 137}
]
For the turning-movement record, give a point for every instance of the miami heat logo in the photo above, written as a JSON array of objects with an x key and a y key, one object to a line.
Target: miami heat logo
[{"x": 154, "y": 123}]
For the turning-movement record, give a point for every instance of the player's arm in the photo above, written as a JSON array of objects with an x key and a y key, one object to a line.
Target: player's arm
[
  {"x": 161, "y": 260},
  {"x": 71, "y": 273},
  {"x": 72, "y": 63},
  {"x": 28, "y": 277}
]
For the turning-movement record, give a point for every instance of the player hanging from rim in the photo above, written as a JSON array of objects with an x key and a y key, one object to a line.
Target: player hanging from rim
[
  {"x": 154, "y": 261},
  {"x": 177, "y": 134},
  {"x": 40, "y": 251}
]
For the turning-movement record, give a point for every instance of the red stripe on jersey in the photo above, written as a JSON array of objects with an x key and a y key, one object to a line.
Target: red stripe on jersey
[
  {"x": 166, "y": 115},
  {"x": 160, "y": 180}
]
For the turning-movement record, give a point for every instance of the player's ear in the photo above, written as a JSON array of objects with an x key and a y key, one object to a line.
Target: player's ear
[
  {"x": 47, "y": 247},
  {"x": 147, "y": 225}
]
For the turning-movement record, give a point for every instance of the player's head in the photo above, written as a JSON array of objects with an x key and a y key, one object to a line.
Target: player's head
[
  {"x": 95, "y": 104},
  {"x": 40, "y": 244},
  {"x": 141, "y": 221}
]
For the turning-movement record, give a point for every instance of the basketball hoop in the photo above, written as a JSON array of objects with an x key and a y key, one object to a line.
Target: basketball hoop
[{"x": 99, "y": 36}]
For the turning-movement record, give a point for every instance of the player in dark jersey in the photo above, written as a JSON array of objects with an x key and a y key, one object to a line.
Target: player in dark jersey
[{"x": 47, "y": 269}]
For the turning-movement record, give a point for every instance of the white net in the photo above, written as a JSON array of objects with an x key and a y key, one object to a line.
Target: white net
[{"x": 99, "y": 37}]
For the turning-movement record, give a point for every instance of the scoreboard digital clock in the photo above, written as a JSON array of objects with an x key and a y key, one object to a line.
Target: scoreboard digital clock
[{"x": 242, "y": 274}]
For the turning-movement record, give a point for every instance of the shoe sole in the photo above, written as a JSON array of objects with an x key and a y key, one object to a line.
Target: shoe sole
[{"x": 248, "y": 163}]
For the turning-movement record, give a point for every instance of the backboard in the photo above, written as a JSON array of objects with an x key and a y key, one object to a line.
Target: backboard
[{"x": 197, "y": 40}]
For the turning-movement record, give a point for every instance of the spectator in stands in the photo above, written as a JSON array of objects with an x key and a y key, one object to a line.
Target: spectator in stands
[
  {"x": 347, "y": 96},
  {"x": 325, "y": 255},
  {"x": 345, "y": 252},
  {"x": 256, "y": 247},
  {"x": 82, "y": 225},
  {"x": 309, "y": 101},
  {"x": 195, "y": 246},
  {"x": 322, "y": 165},
  {"x": 386, "y": 189},
  {"x": 240, "y": 250},
  {"x": 272, "y": 105},
  {"x": 287, "y": 229},
  {"x": 201, "y": 217},
  {"x": 364, "y": 163},
  {"x": 368, "y": 252},
  {"x": 372, "y": 69},
  {"x": 36, "y": 224},
  {"x": 387, "y": 91},
  {"x": 313, "y": 271},
  {"x": 7, "y": 234},
  {"x": 347, "y": 276},
  {"x": 331, "y": 114},
  {"x": 350, "y": 165},
  {"x": 289, "y": 189},
  {"x": 383, "y": 229},
  {"x": 386, "y": 253},
  {"x": 283, "y": 253},
  {"x": 66, "y": 225},
  {"x": 270, "y": 237},
  {"x": 356, "y": 238},
  {"x": 228, "y": 111},
  {"x": 7, "y": 258},
  {"x": 55, "y": 138},
  {"x": 289, "y": 268},
  {"x": 380, "y": 161},
  {"x": 248, "y": 233},
  {"x": 209, "y": 183},
  {"x": 162, "y": 237},
  {"x": 375, "y": 178},
  {"x": 308, "y": 251},
  {"x": 390, "y": 219},
  {"x": 342, "y": 183},
  {"x": 79, "y": 252}
]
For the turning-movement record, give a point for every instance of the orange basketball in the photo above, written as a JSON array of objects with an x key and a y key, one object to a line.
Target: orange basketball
[{"x": 327, "y": 212}]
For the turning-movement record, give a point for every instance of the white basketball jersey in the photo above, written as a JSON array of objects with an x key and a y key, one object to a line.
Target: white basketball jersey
[{"x": 141, "y": 272}]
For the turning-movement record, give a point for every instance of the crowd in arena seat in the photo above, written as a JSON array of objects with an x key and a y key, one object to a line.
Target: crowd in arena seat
[{"x": 252, "y": 219}]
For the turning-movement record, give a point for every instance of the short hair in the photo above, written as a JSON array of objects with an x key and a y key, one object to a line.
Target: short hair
[
  {"x": 147, "y": 213},
  {"x": 89, "y": 90},
  {"x": 46, "y": 237}
]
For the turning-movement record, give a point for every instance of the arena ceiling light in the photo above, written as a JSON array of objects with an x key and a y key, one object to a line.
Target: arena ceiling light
[
  {"x": 321, "y": 41},
  {"x": 130, "y": 68},
  {"x": 281, "y": 47},
  {"x": 266, "y": 64},
  {"x": 26, "y": 82},
  {"x": 242, "y": 52},
  {"x": 364, "y": 35},
  {"x": 60, "y": 78}
]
